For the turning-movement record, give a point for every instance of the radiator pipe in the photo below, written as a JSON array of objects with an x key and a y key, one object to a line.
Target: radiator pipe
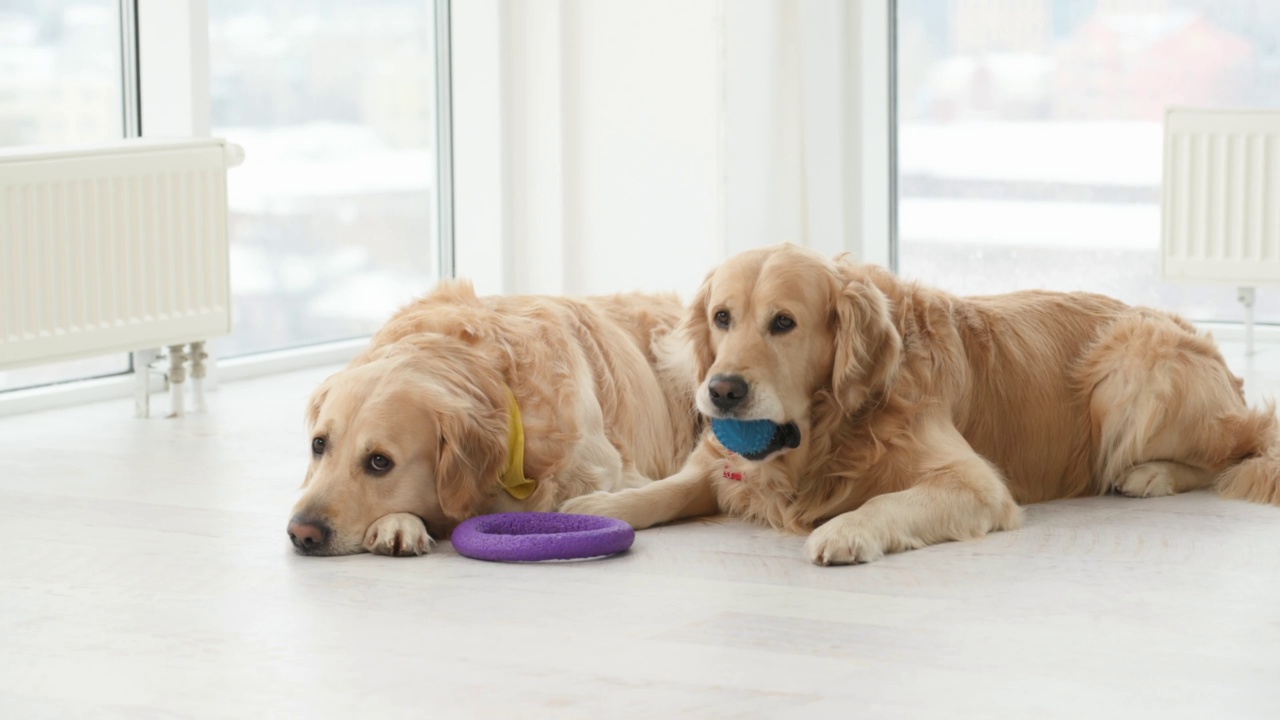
[
  {"x": 177, "y": 379},
  {"x": 1247, "y": 296},
  {"x": 142, "y": 360},
  {"x": 198, "y": 371}
]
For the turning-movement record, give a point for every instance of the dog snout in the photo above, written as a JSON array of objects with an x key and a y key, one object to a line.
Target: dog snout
[
  {"x": 308, "y": 535},
  {"x": 727, "y": 391}
]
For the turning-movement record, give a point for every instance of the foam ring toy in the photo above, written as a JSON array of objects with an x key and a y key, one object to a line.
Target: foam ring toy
[{"x": 539, "y": 536}]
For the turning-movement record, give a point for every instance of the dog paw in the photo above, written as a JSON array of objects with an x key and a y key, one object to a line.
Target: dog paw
[
  {"x": 1149, "y": 480},
  {"x": 844, "y": 541},
  {"x": 398, "y": 534},
  {"x": 600, "y": 502}
]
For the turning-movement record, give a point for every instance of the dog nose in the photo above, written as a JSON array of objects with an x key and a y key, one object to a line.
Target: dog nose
[
  {"x": 307, "y": 535},
  {"x": 727, "y": 391}
]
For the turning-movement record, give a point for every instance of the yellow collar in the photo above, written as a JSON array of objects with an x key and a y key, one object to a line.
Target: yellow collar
[{"x": 513, "y": 479}]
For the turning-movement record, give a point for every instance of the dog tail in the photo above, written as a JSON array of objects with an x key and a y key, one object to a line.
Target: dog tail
[{"x": 1256, "y": 477}]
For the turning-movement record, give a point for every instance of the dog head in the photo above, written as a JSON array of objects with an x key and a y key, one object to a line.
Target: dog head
[
  {"x": 420, "y": 429},
  {"x": 772, "y": 328}
]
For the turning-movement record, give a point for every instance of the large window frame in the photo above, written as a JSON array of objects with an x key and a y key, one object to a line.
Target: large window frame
[{"x": 165, "y": 65}]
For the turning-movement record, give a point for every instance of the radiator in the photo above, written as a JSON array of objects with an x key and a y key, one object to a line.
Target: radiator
[
  {"x": 1221, "y": 200},
  {"x": 119, "y": 247}
]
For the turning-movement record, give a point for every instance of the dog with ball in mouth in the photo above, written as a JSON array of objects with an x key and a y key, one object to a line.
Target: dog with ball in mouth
[
  {"x": 878, "y": 415},
  {"x": 777, "y": 355}
]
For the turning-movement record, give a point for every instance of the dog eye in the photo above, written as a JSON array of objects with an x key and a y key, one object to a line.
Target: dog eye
[
  {"x": 317, "y": 446},
  {"x": 722, "y": 319},
  {"x": 782, "y": 324},
  {"x": 378, "y": 464}
]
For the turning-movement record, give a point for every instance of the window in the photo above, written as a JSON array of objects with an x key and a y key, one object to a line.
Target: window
[
  {"x": 1030, "y": 136},
  {"x": 60, "y": 79},
  {"x": 334, "y": 211},
  {"x": 60, "y": 82},
  {"x": 334, "y": 214}
]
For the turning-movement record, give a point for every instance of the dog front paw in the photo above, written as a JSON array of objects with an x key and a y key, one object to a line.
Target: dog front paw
[
  {"x": 600, "y": 502},
  {"x": 844, "y": 541},
  {"x": 398, "y": 534}
]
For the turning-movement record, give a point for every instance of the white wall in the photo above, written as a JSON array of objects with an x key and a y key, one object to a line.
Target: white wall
[
  {"x": 610, "y": 145},
  {"x": 646, "y": 206}
]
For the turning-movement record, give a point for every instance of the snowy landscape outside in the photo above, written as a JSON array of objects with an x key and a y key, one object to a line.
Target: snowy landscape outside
[{"x": 1030, "y": 137}]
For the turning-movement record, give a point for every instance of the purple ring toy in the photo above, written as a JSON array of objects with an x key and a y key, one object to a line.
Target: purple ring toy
[{"x": 537, "y": 536}]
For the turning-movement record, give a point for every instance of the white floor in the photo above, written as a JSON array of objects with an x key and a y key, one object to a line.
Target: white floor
[{"x": 146, "y": 573}]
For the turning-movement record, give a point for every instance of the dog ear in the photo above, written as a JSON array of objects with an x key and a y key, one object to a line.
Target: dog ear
[
  {"x": 314, "y": 405},
  {"x": 868, "y": 345},
  {"x": 473, "y": 451},
  {"x": 695, "y": 330},
  {"x": 313, "y": 414}
]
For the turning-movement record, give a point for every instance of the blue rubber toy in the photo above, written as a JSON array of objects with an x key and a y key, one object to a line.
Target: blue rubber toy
[{"x": 745, "y": 437}]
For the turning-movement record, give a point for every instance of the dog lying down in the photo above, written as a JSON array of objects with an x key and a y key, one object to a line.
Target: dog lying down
[
  {"x": 908, "y": 417},
  {"x": 464, "y": 406}
]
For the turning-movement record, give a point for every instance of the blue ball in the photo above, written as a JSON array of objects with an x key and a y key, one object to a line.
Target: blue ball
[{"x": 745, "y": 437}]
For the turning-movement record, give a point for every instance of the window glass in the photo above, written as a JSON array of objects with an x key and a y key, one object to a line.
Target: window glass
[
  {"x": 333, "y": 213},
  {"x": 1030, "y": 137}
]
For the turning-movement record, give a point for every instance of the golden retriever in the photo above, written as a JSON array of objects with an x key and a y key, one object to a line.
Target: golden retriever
[
  {"x": 909, "y": 417},
  {"x": 417, "y": 433}
]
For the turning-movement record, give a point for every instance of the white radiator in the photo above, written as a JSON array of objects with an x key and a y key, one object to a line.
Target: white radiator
[
  {"x": 113, "y": 248},
  {"x": 1221, "y": 200}
]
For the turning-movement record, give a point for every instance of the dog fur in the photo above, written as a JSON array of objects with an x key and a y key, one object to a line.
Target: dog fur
[
  {"x": 602, "y": 404},
  {"x": 926, "y": 417}
]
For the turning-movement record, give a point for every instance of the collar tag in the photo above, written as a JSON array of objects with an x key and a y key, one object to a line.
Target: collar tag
[{"x": 729, "y": 472}]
